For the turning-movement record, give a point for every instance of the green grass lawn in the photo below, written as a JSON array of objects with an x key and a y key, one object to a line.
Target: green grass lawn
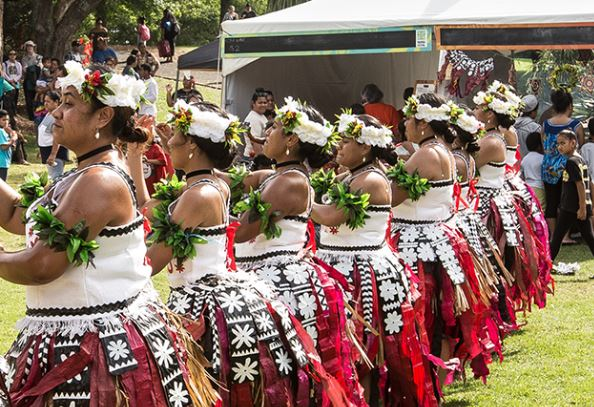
[{"x": 550, "y": 362}]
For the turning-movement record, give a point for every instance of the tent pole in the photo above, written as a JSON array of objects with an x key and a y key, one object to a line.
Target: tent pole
[
  {"x": 176, "y": 81},
  {"x": 221, "y": 42}
]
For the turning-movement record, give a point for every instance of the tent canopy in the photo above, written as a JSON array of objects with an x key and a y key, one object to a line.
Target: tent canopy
[
  {"x": 204, "y": 57},
  {"x": 331, "y": 80}
]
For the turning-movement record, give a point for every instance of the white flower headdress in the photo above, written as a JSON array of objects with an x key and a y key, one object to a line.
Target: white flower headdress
[
  {"x": 189, "y": 119},
  {"x": 111, "y": 89},
  {"x": 468, "y": 123},
  {"x": 425, "y": 111},
  {"x": 370, "y": 135},
  {"x": 297, "y": 122},
  {"x": 500, "y": 99}
]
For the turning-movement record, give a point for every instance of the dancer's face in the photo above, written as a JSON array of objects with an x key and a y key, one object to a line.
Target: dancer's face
[
  {"x": 350, "y": 153},
  {"x": 277, "y": 142},
  {"x": 180, "y": 149}
]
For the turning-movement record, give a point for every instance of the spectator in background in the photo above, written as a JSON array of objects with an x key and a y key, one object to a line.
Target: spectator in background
[
  {"x": 357, "y": 108},
  {"x": 75, "y": 53},
  {"x": 98, "y": 31},
  {"x": 526, "y": 124},
  {"x": 187, "y": 93},
  {"x": 408, "y": 92},
  {"x": 59, "y": 73},
  {"x": 587, "y": 150},
  {"x": 231, "y": 14},
  {"x": 52, "y": 154},
  {"x": 270, "y": 107},
  {"x": 248, "y": 12},
  {"x": 31, "y": 75},
  {"x": 103, "y": 52},
  {"x": 130, "y": 68},
  {"x": 169, "y": 30},
  {"x": 31, "y": 57},
  {"x": 7, "y": 140},
  {"x": 257, "y": 122},
  {"x": 44, "y": 79},
  {"x": 371, "y": 97},
  {"x": 146, "y": 57},
  {"x": 531, "y": 167},
  {"x": 12, "y": 72},
  {"x": 144, "y": 33},
  {"x": 154, "y": 163},
  {"x": 553, "y": 161},
  {"x": 148, "y": 106},
  {"x": 111, "y": 63}
]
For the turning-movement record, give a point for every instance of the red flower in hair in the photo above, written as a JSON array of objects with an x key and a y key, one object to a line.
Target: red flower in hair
[{"x": 94, "y": 79}]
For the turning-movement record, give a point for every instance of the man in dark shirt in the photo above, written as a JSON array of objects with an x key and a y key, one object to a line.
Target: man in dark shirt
[
  {"x": 575, "y": 207},
  {"x": 188, "y": 93},
  {"x": 248, "y": 12}
]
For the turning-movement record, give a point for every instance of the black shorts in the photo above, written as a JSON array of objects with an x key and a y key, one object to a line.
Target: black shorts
[
  {"x": 553, "y": 197},
  {"x": 46, "y": 151}
]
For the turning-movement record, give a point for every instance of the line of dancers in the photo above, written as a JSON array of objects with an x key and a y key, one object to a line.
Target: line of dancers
[{"x": 374, "y": 282}]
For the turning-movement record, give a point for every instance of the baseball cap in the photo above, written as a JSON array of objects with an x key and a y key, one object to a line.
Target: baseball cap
[
  {"x": 30, "y": 43},
  {"x": 530, "y": 103}
]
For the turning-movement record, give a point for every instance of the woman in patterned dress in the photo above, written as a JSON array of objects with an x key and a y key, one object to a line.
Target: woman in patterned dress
[
  {"x": 399, "y": 374},
  {"x": 272, "y": 242},
  {"x": 250, "y": 340},
  {"x": 95, "y": 332}
]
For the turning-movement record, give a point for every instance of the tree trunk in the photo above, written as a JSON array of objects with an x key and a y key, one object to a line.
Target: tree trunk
[
  {"x": 1, "y": 27},
  {"x": 56, "y": 22},
  {"x": 275, "y": 5},
  {"x": 224, "y": 6}
]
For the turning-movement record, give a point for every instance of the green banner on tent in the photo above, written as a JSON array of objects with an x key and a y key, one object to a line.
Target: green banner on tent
[{"x": 368, "y": 41}]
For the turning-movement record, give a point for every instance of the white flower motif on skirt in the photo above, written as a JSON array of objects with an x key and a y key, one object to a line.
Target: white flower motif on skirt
[
  {"x": 270, "y": 274},
  {"x": 425, "y": 252},
  {"x": 388, "y": 290},
  {"x": 313, "y": 333},
  {"x": 244, "y": 371},
  {"x": 445, "y": 251},
  {"x": 408, "y": 255},
  {"x": 163, "y": 352},
  {"x": 393, "y": 322},
  {"x": 307, "y": 305},
  {"x": 455, "y": 273},
  {"x": 401, "y": 292},
  {"x": 180, "y": 304},
  {"x": 433, "y": 233},
  {"x": 345, "y": 268},
  {"x": 244, "y": 336},
  {"x": 296, "y": 275},
  {"x": 178, "y": 396},
  {"x": 410, "y": 234},
  {"x": 288, "y": 298},
  {"x": 118, "y": 350},
  {"x": 283, "y": 362},
  {"x": 232, "y": 301},
  {"x": 264, "y": 322}
]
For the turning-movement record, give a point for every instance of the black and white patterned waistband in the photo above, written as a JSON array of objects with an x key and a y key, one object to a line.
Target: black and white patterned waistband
[
  {"x": 367, "y": 248},
  {"x": 82, "y": 311},
  {"x": 266, "y": 256},
  {"x": 421, "y": 222}
]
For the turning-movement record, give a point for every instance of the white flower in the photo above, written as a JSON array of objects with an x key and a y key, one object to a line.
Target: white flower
[
  {"x": 270, "y": 274},
  {"x": 296, "y": 275},
  {"x": 243, "y": 336},
  {"x": 387, "y": 290},
  {"x": 288, "y": 298},
  {"x": 307, "y": 305},
  {"x": 429, "y": 113},
  {"x": 312, "y": 132},
  {"x": 298, "y": 350},
  {"x": 400, "y": 291},
  {"x": 344, "y": 120},
  {"x": 118, "y": 350},
  {"x": 245, "y": 371},
  {"x": 180, "y": 304},
  {"x": 345, "y": 267},
  {"x": 469, "y": 123},
  {"x": 163, "y": 352},
  {"x": 291, "y": 105},
  {"x": 445, "y": 251},
  {"x": 178, "y": 395},
  {"x": 232, "y": 301},
  {"x": 208, "y": 125},
  {"x": 425, "y": 252},
  {"x": 283, "y": 362},
  {"x": 313, "y": 333},
  {"x": 75, "y": 77},
  {"x": 410, "y": 234},
  {"x": 455, "y": 273},
  {"x": 393, "y": 322},
  {"x": 375, "y": 137},
  {"x": 433, "y": 233},
  {"x": 409, "y": 255},
  {"x": 264, "y": 321}
]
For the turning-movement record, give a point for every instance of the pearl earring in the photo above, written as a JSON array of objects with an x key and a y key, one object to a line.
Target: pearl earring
[
  {"x": 97, "y": 135},
  {"x": 364, "y": 159},
  {"x": 287, "y": 152},
  {"x": 191, "y": 155}
]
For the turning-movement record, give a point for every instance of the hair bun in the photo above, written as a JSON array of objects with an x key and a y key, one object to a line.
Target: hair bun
[{"x": 132, "y": 134}]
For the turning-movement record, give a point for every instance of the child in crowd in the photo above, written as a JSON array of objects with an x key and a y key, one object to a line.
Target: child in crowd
[
  {"x": 42, "y": 84},
  {"x": 575, "y": 207},
  {"x": 154, "y": 163},
  {"x": 7, "y": 140},
  {"x": 531, "y": 167},
  {"x": 587, "y": 150}
]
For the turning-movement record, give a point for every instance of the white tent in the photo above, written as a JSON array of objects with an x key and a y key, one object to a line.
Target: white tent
[{"x": 333, "y": 78}]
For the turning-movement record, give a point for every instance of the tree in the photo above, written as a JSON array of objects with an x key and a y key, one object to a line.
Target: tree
[
  {"x": 55, "y": 22},
  {"x": 1, "y": 27},
  {"x": 275, "y": 5}
]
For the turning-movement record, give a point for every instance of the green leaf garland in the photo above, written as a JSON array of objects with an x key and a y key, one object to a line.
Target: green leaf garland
[
  {"x": 354, "y": 205},
  {"x": 53, "y": 232},
  {"x": 181, "y": 241},
  {"x": 237, "y": 174},
  {"x": 33, "y": 188},
  {"x": 168, "y": 190},
  {"x": 321, "y": 182},
  {"x": 258, "y": 210},
  {"x": 414, "y": 184}
]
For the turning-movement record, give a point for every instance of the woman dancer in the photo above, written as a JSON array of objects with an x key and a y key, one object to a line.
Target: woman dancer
[
  {"x": 95, "y": 331},
  {"x": 274, "y": 229},
  {"x": 515, "y": 235},
  {"x": 249, "y": 338},
  {"x": 353, "y": 241},
  {"x": 424, "y": 233}
]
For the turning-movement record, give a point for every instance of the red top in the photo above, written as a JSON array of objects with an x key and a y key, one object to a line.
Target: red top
[
  {"x": 154, "y": 173},
  {"x": 386, "y": 114}
]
